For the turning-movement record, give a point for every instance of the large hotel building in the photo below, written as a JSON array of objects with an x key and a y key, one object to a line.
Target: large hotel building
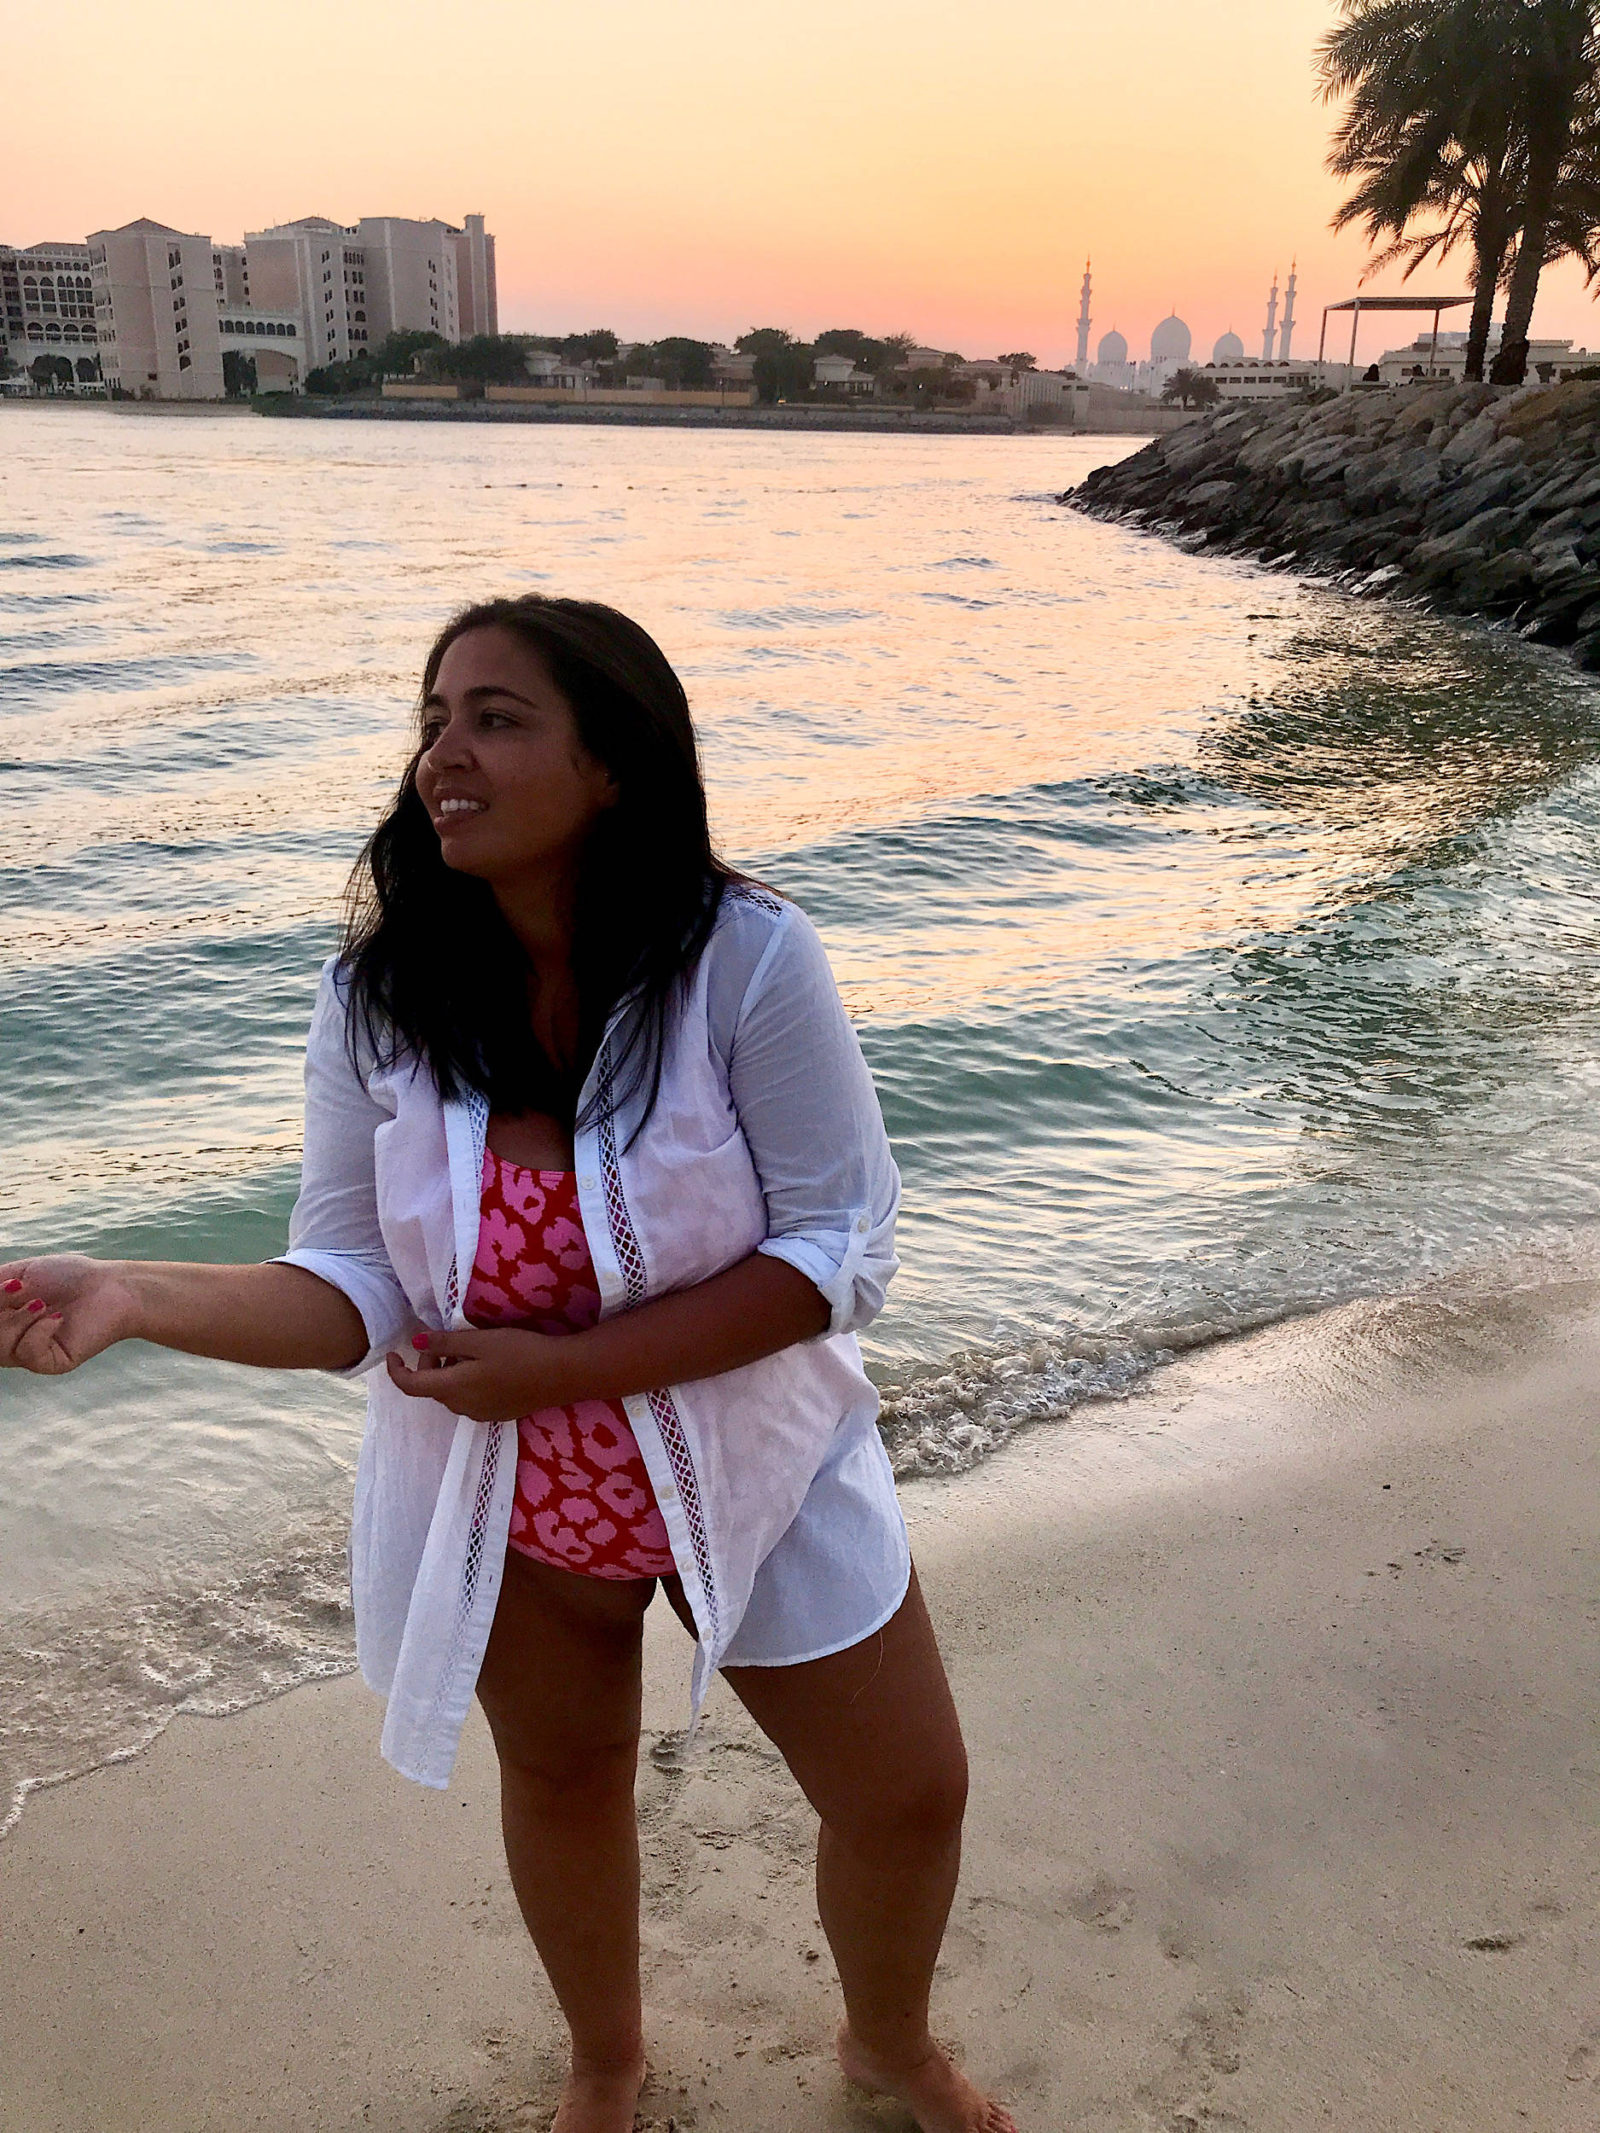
[{"x": 155, "y": 310}]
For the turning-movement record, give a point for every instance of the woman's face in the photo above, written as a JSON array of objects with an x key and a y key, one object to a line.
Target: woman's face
[{"x": 508, "y": 784}]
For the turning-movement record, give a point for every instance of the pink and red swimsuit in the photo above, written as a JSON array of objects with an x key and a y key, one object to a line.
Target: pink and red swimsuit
[{"x": 584, "y": 1500}]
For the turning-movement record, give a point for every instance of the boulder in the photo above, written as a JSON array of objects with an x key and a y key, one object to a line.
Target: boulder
[
  {"x": 1210, "y": 494},
  {"x": 1466, "y": 500}
]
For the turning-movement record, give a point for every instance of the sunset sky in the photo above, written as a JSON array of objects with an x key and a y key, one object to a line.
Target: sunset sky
[{"x": 663, "y": 169}]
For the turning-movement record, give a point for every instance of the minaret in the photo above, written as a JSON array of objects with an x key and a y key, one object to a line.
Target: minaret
[
  {"x": 1271, "y": 334},
  {"x": 1286, "y": 330},
  {"x": 1083, "y": 324}
]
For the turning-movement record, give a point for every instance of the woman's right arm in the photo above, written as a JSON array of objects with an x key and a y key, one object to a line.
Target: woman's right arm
[
  {"x": 56, "y": 1312},
  {"x": 333, "y": 1302}
]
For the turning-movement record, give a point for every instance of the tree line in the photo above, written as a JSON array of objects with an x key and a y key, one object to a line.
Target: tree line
[
  {"x": 782, "y": 364},
  {"x": 1471, "y": 125}
]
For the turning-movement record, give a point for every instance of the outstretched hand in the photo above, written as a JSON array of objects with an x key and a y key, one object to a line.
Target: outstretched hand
[
  {"x": 57, "y": 1312},
  {"x": 489, "y": 1374}
]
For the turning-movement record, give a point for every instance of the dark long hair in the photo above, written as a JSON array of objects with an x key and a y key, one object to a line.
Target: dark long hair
[{"x": 434, "y": 969}]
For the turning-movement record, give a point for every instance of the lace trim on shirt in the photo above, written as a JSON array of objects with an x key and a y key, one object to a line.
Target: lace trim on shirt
[
  {"x": 461, "y": 1628},
  {"x": 764, "y": 900},
  {"x": 478, "y": 1112},
  {"x": 483, "y": 1496},
  {"x": 662, "y": 1406}
]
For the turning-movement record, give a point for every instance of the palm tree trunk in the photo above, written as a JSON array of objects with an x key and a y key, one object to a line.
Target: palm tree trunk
[
  {"x": 1489, "y": 244},
  {"x": 1511, "y": 364},
  {"x": 1549, "y": 99}
]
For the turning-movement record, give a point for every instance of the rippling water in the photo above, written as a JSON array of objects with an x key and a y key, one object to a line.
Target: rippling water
[{"x": 1223, "y": 946}]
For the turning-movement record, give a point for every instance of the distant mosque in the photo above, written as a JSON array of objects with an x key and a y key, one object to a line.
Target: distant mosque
[{"x": 1172, "y": 344}]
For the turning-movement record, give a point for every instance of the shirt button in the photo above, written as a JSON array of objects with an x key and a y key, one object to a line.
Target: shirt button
[
  {"x": 862, "y": 1224},
  {"x": 587, "y": 1179},
  {"x": 669, "y": 1495}
]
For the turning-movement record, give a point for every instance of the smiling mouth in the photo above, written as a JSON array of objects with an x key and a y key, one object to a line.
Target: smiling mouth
[{"x": 448, "y": 810}]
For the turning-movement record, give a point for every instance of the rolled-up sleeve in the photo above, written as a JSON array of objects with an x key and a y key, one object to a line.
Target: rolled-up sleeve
[
  {"x": 810, "y": 1114},
  {"x": 334, "y": 1231}
]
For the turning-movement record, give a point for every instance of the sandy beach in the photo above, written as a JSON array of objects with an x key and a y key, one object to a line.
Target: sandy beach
[{"x": 1280, "y": 1683}]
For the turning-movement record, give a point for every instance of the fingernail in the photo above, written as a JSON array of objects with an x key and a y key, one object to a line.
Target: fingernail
[
  {"x": 36, "y": 1305},
  {"x": 13, "y": 1288},
  {"x": 419, "y": 1340}
]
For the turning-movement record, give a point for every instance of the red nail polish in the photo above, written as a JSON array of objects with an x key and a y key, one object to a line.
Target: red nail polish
[
  {"x": 419, "y": 1340},
  {"x": 36, "y": 1305},
  {"x": 13, "y": 1288}
]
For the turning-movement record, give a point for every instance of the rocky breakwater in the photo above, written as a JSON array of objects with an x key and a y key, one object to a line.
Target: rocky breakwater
[{"x": 1478, "y": 500}]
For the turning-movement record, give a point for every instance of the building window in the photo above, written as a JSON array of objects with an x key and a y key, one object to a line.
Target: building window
[{"x": 183, "y": 362}]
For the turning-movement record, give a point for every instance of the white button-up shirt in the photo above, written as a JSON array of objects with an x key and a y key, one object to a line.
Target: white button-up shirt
[{"x": 771, "y": 1479}]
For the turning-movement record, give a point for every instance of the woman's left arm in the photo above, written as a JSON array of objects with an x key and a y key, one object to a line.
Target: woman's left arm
[
  {"x": 749, "y": 1310},
  {"x": 809, "y": 1112}
]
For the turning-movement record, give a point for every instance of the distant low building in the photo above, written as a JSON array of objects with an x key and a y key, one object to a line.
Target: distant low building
[
  {"x": 1423, "y": 360},
  {"x": 1031, "y": 390},
  {"x": 841, "y": 374},
  {"x": 1017, "y": 387},
  {"x": 544, "y": 368},
  {"x": 1258, "y": 378},
  {"x": 729, "y": 366}
]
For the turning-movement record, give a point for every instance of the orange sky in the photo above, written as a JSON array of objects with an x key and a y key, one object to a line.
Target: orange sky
[{"x": 889, "y": 164}]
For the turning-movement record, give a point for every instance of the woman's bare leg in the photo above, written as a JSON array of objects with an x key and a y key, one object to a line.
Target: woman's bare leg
[
  {"x": 872, "y": 1737},
  {"x": 561, "y": 1687}
]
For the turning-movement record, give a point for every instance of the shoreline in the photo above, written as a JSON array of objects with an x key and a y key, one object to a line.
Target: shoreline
[
  {"x": 802, "y": 420},
  {"x": 1284, "y": 1734},
  {"x": 1472, "y": 500}
]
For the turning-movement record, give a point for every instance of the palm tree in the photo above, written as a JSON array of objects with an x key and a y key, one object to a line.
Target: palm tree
[
  {"x": 1191, "y": 388},
  {"x": 1556, "y": 59},
  {"x": 1474, "y": 200},
  {"x": 1477, "y": 116},
  {"x": 1431, "y": 134}
]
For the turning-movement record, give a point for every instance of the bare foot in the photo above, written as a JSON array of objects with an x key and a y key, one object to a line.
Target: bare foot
[
  {"x": 600, "y": 2099},
  {"x": 938, "y": 2095}
]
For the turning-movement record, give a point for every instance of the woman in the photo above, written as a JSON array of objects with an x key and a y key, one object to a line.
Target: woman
[{"x": 590, "y": 1143}]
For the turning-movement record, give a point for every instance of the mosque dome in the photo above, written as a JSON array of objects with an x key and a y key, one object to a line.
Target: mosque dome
[
  {"x": 1230, "y": 349},
  {"x": 1171, "y": 341},
  {"x": 1113, "y": 348}
]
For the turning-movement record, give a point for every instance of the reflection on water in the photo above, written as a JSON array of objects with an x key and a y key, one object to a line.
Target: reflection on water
[
  {"x": 1221, "y": 945},
  {"x": 1391, "y": 727}
]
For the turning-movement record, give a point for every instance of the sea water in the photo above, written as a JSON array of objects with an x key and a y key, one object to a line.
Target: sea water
[{"x": 1223, "y": 946}]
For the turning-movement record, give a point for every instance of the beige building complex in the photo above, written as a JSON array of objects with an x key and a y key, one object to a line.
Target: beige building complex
[
  {"x": 47, "y": 305},
  {"x": 161, "y": 308},
  {"x": 356, "y": 283}
]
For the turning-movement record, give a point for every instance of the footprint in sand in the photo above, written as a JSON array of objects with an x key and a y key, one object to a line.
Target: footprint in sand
[
  {"x": 1583, "y": 2062},
  {"x": 1439, "y": 1552},
  {"x": 1105, "y": 1905}
]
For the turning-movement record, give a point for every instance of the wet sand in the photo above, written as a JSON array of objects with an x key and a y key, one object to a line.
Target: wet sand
[{"x": 1280, "y": 1681}]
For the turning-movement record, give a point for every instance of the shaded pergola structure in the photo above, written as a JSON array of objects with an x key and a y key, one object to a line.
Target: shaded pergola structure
[{"x": 1355, "y": 305}]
